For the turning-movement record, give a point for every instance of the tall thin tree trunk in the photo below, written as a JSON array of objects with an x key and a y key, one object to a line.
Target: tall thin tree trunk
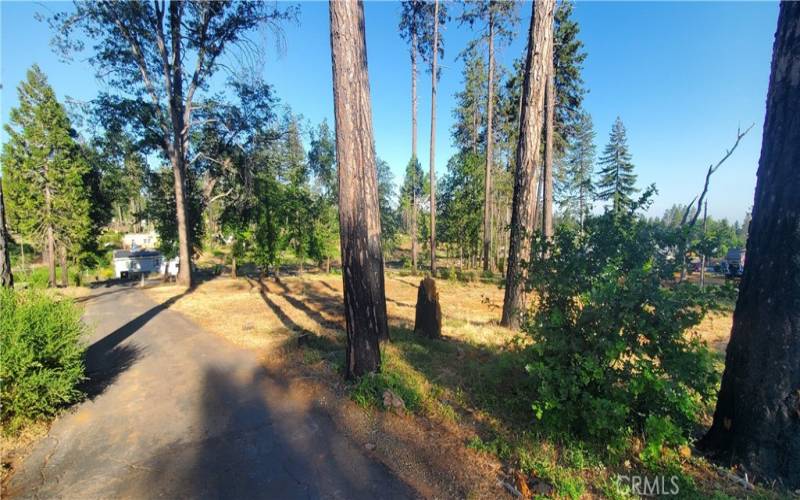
[
  {"x": 487, "y": 195},
  {"x": 62, "y": 257},
  {"x": 432, "y": 161},
  {"x": 540, "y": 42},
  {"x": 359, "y": 213},
  {"x": 180, "y": 130},
  {"x": 547, "y": 200},
  {"x": 233, "y": 268},
  {"x": 703, "y": 258},
  {"x": 50, "y": 237},
  {"x": 414, "y": 150},
  {"x": 6, "y": 277},
  {"x": 757, "y": 419}
]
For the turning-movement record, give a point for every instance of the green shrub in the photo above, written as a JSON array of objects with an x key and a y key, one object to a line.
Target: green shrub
[
  {"x": 447, "y": 273},
  {"x": 611, "y": 357},
  {"x": 42, "y": 355}
]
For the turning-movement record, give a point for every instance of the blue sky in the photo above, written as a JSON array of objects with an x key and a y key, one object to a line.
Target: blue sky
[{"x": 682, "y": 76}]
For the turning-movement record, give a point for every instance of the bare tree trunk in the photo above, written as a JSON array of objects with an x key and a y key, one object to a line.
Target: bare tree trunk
[
  {"x": 62, "y": 257},
  {"x": 50, "y": 233},
  {"x": 547, "y": 201},
  {"x": 703, "y": 258},
  {"x": 180, "y": 130},
  {"x": 487, "y": 195},
  {"x": 434, "y": 75},
  {"x": 757, "y": 419},
  {"x": 540, "y": 42},
  {"x": 359, "y": 214},
  {"x": 414, "y": 150},
  {"x": 6, "y": 277}
]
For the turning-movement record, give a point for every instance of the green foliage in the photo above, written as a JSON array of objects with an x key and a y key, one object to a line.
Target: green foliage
[
  {"x": 45, "y": 173},
  {"x": 611, "y": 352},
  {"x": 161, "y": 209},
  {"x": 617, "y": 180},
  {"x": 42, "y": 356},
  {"x": 574, "y": 187}
]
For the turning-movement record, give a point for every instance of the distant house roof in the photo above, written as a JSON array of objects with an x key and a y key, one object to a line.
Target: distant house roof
[{"x": 126, "y": 254}]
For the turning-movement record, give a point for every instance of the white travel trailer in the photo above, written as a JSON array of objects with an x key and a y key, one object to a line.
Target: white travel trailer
[{"x": 128, "y": 264}]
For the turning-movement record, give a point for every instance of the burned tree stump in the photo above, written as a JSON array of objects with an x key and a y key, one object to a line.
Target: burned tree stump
[{"x": 428, "y": 321}]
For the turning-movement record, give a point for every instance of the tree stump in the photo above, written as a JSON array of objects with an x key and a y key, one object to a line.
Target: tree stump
[{"x": 428, "y": 321}]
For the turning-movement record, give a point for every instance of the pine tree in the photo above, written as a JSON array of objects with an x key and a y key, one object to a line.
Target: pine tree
[
  {"x": 568, "y": 58},
  {"x": 575, "y": 187},
  {"x": 617, "y": 180},
  {"x": 45, "y": 172},
  {"x": 499, "y": 19},
  {"x": 6, "y": 278},
  {"x": 470, "y": 112},
  {"x": 411, "y": 193}
]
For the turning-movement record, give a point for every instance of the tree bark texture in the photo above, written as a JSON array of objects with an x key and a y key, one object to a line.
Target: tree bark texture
[
  {"x": 757, "y": 419},
  {"x": 359, "y": 215},
  {"x": 432, "y": 160},
  {"x": 540, "y": 43},
  {"x": 62, "y": 258},
  {"x": 487, "y": 194},
  {"x": 547, "y": 200},
  {"x": 6, "y": 277}
]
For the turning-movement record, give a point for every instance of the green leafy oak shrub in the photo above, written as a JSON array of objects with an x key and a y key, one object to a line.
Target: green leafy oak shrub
[{"x": 611, "y": 356}]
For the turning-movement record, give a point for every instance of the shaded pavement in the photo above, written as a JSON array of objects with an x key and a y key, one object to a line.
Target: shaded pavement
[{"x": 176, "y": 412}]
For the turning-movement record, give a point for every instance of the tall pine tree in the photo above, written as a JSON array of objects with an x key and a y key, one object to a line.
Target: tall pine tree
[
  {"x": 617, "y": 180},
  {"x": 575, "y": 187},
  {"x": 45, "y": 172}
]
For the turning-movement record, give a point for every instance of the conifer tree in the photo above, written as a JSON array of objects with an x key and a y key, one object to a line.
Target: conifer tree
[
  {"x": 617, "y": 180},
  {"x": 498, "y": 20},
  {"x": 45, "y": 172},
  {"x": 575, "y": 188}
]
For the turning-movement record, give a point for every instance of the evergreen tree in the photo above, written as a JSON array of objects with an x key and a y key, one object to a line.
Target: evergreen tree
[
  {"x": 568, "y": 58},
  {"x": 45, "y": 172},
  {"x": 470, "y": 112},
  {"x": 617, "y": 180},
  {"x": 389, "y": 221},
  {"x": 575, "y": 187},
  {"x": 411, "y": 194}
]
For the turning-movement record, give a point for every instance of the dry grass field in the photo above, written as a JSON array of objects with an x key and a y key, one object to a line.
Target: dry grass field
[{"x": 465, "y": 421}]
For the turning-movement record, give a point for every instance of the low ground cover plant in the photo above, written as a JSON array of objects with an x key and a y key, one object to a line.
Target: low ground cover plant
[{"x": 41, "y": 362}]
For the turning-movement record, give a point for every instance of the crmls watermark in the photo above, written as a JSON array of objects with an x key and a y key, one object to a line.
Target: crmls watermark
[{"x": 649, "y": 486}]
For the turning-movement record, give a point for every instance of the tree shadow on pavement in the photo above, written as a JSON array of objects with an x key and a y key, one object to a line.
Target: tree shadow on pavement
[
  {"x": 106, "y": 359},
  {"x": 265, "y": 439}
]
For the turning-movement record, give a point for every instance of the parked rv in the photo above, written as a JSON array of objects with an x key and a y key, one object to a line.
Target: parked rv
[
  {"x": 128, "y": 264},
  {"x": 734, "y": 261}
]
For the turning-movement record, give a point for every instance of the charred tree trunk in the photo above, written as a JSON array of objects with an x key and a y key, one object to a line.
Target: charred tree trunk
[
  {"x": 487, "y": 192},
  {"x": 359, "y": 215},
  {"x": 540, "y": 42},
  {"x": 432, "y": 161},
  {"x": 757, "y": 419},
  {"x": 6, "y": 277},
  {"x": 414, "y": 150},
  {"x": 547, "y": 199},
  {"x": 428, "y": 319}
]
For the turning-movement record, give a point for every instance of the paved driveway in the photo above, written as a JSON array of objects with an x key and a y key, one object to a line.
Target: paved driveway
[{"x": 176, "y": 412}]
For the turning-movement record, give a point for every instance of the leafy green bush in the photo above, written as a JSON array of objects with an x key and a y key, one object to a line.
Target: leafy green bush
[
  {"x": 42, "y": 356},
  {"x": 611, "y": 356}
]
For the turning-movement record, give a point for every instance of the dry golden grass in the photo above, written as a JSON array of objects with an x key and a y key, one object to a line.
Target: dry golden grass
[{"x": 258, "y": 315}]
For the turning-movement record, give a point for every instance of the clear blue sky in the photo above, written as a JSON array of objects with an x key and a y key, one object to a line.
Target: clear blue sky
[{"x": 682, "y": 76}]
